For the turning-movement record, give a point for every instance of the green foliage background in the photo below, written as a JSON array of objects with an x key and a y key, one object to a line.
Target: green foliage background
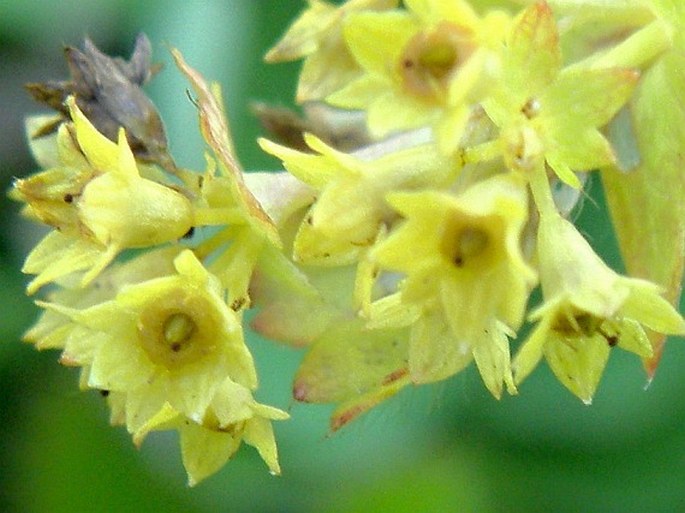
[{"x": 448, "y": 447}]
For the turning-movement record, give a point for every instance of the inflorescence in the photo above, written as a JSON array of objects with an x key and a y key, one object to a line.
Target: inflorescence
[{"x": 426, "y": 195}]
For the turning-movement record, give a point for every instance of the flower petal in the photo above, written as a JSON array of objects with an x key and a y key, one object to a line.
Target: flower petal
[
  {"x": 205, "y": 451},
  {"x": 578, "y": 363}
]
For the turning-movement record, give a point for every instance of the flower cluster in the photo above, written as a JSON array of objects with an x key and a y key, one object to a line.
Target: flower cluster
[
  {"x": 399, "y": 261},
  {"x": 160, "y": 334}
]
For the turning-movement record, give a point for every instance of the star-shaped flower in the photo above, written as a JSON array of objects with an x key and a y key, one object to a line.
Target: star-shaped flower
[
  {"x": 183, "y": 365},
  {"x": 464, "y": 269},
  {"x": 587, "y": 309},
  {"x": 169, "y": 339},
  {"x": 546, "y": 112},
  {"x": 233, "y": 417}
]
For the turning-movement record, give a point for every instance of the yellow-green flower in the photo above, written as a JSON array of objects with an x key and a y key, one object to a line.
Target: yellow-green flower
[
  {"x": 233, "y": 417},
  {"x": 464, "y": 269},
  {"x": 170, "y": 339},
  {"x": 100, "y": 202},
  {"x": 167, "y": 353},
  {"x": 50, "y": 194},
  {"x": 423, "y": 66},
  {"x": 54, "y": 330},
  {"x": 546, "y": 112},
  {"x": 289, "y": 307},
  {"x": 587, "y": 309},
  {"x": 316, "y": 36},
  {"x": 464, "y": 246},
  {"x": 350, "y": 210}
]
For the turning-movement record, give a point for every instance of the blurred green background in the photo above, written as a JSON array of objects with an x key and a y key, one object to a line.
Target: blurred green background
[{"x": 448, "y": 447}]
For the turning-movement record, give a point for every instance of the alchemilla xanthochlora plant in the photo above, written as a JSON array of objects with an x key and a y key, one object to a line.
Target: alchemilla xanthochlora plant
[{"x": 426, "y": 194}]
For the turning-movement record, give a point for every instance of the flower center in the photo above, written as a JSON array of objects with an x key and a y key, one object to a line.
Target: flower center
[
  {"x": 579, "y": 323},
  {"x": 584, "y": 325},
  {"x": 430, "y": 58},
  {"x": 178, "y": 331},
  {"x": 471, "y": 242},
  {"x": 179, "y": 328},
  {"x": 523, "y": 148},
  {"x": 531, "y": 108}
]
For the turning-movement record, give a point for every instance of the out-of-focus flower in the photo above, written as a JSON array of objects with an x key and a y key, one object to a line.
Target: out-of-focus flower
[
  {"x": 346, "y": 363},
  {"x": 427, "y": 65},
  {"x": 316, "y": 36},
  {"x": 353, "y": 366},
  {"x": 549, "y": 113}
]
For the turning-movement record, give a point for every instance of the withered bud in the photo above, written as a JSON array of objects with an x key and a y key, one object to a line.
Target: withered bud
[
  {"x": 283, "y": 124},
  {"x": 344, "y": 130},
  {"x": 108, "y": 91}
]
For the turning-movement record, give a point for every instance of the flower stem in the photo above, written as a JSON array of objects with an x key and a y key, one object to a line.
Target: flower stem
[
  {"x": 637, "y": 50},
  {"x": 542, "y": 192}
]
